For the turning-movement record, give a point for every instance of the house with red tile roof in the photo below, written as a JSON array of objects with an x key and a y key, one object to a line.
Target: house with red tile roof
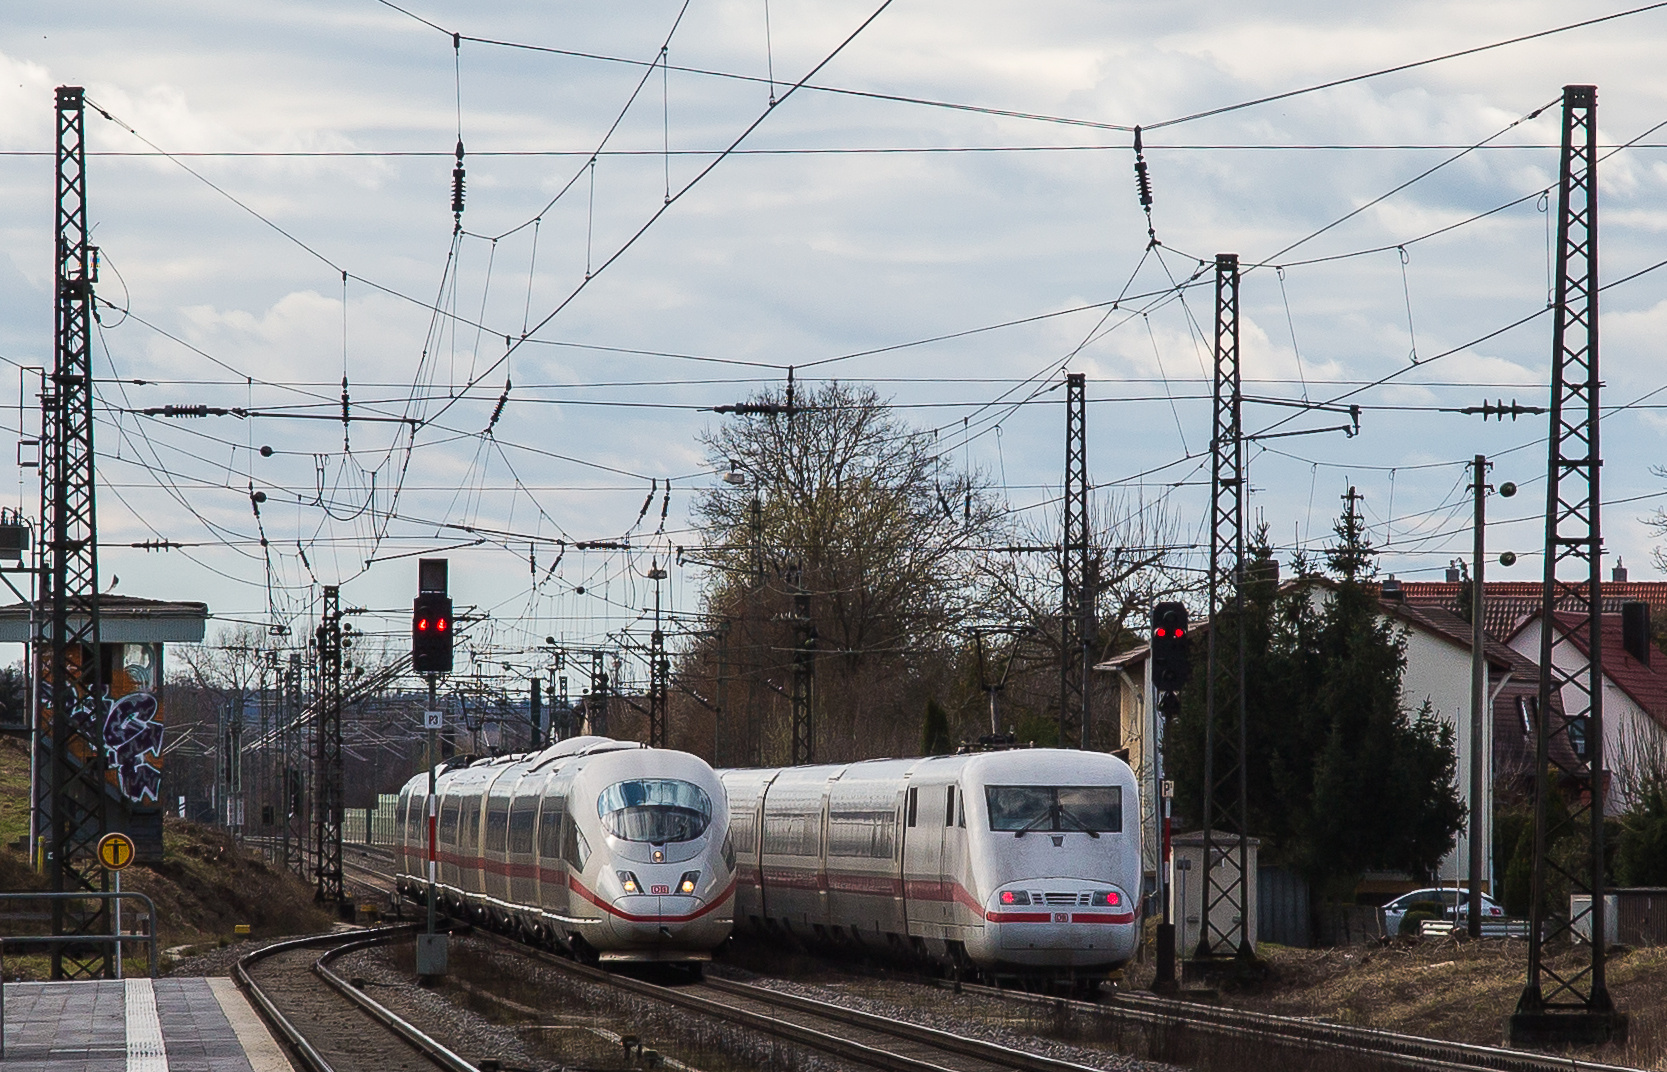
[{"x": 1634, "y": 689}]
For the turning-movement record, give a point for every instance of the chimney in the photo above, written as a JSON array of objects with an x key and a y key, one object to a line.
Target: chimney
[
  {"x": 1635, "y": 630},
  {"x": 1453, "y": 574},
  {"x": 1618, "y": 575},
  {"x": 1392, "y": 589}
]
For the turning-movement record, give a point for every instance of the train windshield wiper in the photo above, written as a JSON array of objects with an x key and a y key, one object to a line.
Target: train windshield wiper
[
  {"x": 1065, "y": 813},
  {"x": 1036, "y": 822}
]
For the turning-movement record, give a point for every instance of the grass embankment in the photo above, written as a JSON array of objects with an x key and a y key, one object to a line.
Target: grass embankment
[
  {"x": 204, "y": 888},
  {"x": 1451, "y": 989}
]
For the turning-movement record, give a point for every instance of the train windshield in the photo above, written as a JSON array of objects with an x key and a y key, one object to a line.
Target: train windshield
[
  {"x": 1093, "y": 809},
  {"x": 655, "y": 809}
]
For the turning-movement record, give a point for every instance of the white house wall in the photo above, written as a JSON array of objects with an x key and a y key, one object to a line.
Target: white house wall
[
  {"x": 1438, "y": 670},
  {"x": 1628, "y": 729}
]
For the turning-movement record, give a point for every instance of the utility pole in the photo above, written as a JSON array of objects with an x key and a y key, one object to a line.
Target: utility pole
[
  {"x": 1566, "y": 1003},
  {"x": 76, "y": 804},
  {"x": 535, "y": 714},
  {"x": 1478, "y": 697},
  {"x": 720, "y": 717},
  {"x": 804, "y": 672},
  {"x": 658, "y": 668},
  {"x": 1076, "y": 615},
  {"x": 596, "y": 705},
  {"x": 327, "y": 754},
  {"x": 1223, "y": 929}
]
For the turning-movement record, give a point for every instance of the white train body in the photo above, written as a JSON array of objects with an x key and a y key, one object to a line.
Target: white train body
[
  {"x": 613, "y": 849},
  {"x": 1023, "y": 861}
]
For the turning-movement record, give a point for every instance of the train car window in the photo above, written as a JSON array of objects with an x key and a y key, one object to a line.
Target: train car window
[
  {"x": 868, "y": 834},
  {"x": 949, "y": 807},
  {"x": 656, "y": 810},
  {"x": 549, "y": 826},
  {"x": 914, "y": 794},
  {"x": 522, "y": 811},
  {"x": 963, "y": 812},
  {"x": 575, "y": 849},
  {"x": 469, "y": 836},
  {"x": 793, "y": 834},
  {"x": 743, "y": 827},
  {"x": 1096, "y": 809},
  {"x": 448, "y": 820},
  {"x": 497, "y": 823}
]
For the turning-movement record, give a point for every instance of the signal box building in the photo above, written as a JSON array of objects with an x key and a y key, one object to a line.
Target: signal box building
[{"x": 133, "y": 634}]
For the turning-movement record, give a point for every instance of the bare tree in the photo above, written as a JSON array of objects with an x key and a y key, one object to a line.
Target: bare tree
[{"x": 843, "y": 503}]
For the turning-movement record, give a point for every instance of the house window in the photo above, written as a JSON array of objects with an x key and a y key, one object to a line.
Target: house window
[{"x": 1576, "y": 730}]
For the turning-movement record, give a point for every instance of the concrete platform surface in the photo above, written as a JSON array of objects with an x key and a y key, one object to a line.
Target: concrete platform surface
[{"x": 136, "y": 1025}]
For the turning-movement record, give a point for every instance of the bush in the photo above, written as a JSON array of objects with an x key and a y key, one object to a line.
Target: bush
[{"x": 1413, "y": 920}]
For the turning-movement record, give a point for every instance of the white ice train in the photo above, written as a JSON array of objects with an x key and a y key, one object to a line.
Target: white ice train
[
  {"x": 611, "y": 849},
  {"x": 1022, "y": 861}
]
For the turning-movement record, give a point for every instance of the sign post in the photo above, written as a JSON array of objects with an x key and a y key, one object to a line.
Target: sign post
[{"x": 115, "y": 852}]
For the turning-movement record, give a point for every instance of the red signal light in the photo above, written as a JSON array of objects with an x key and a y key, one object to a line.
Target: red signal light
[
  {"x": 440, "y": 624},
  {"x": 1179, "y": 633},
  {"x": 422, "y": 625},
  {"x": 1159, "y": 632}
]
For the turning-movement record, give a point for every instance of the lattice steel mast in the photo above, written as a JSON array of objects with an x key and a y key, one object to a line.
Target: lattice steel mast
[
  {"x": 1076, "y": 612},
  {"x": 295, "y": 796},
  {"x": 1568, "y": 1001},
  {"x": 327, "y": 754},
  {"x": 76, "y": 802},
  {"x": 1222, "y": 929}
]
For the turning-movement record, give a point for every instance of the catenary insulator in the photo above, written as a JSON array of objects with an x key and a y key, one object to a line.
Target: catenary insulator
[{"x": 1143, "y": 183}]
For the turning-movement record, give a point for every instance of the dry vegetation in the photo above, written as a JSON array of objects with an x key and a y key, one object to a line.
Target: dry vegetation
[
  {"x": 205, "y": 886},
  {"x": 1444, "y": 988}
]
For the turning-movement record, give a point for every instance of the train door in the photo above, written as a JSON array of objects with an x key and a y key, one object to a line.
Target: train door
[
  {"x": 923, "y": 813},
  {"x": 952, "y": 857}
]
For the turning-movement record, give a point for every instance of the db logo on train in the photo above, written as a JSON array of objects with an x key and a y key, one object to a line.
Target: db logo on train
[{"x": 1061, "y": 917}]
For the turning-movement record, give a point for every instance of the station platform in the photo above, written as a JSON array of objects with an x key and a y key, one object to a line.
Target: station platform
[{"x": 136, "y": 1025}]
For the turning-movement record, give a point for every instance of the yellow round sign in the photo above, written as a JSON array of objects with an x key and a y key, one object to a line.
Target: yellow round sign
[{"x": 115, "y": 851}]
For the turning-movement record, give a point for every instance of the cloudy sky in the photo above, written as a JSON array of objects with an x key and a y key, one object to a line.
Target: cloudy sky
[{"x": 247, "y": 156}]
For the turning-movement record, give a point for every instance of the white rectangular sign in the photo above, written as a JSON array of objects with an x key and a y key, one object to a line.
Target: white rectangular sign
[{"x": 431, "y": 720}]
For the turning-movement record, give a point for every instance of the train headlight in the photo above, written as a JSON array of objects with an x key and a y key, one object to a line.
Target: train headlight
[
  {"x": 628, "y": 882},
  {"x": 1106, "y": 899},
  {"x": 687, "y": 883},
  {"x": 1015, "y": 897}
]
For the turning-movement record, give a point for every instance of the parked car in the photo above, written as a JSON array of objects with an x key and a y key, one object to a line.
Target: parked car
[{"x": 1455, "y": 906}]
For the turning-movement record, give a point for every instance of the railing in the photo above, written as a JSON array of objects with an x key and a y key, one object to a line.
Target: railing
[
  {"x": 77, "y": 939},
  {"x": 86, "y": 939}
]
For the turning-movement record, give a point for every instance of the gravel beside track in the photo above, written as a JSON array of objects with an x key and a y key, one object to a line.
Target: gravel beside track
[
  {"x": 988, "y": 1020},
  {"x": 348, "y": 1039}
]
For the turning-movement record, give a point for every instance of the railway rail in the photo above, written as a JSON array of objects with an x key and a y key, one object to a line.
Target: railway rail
[
  {"x": 1391, "y": 1048},
  {"x": 882, "y": 1042},
  {"x": 838, "y": 1031},
  {"x": 344, "y": 1029}
]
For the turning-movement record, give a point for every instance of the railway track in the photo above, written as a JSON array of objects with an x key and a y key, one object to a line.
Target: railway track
[
  {"x": 847, "y": 1034},
  {"x": 1390, "y": 1049},
  {"x": 336, "y": 1027},
  {"x": 882, "y": 1042}
]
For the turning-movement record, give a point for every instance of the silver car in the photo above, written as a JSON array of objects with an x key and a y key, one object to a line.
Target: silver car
[{"x": 1455, "y": 906}]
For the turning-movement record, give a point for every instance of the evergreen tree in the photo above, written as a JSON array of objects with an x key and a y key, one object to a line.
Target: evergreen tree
[
  {"x": 934, "y": 734},
  {"x": 1341, "y": 778}
]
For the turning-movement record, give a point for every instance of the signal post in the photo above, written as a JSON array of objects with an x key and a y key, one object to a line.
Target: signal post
[
  {"x": 1171, "y": 663},
  {"x": 431, "y": 656}
]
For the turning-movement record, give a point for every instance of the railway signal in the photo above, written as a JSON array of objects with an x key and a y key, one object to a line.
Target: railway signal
[
  {"x": 431, "y": 620},
  {"x": 1171, "y": 647},
  {"x": 431, "y": 633}
]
